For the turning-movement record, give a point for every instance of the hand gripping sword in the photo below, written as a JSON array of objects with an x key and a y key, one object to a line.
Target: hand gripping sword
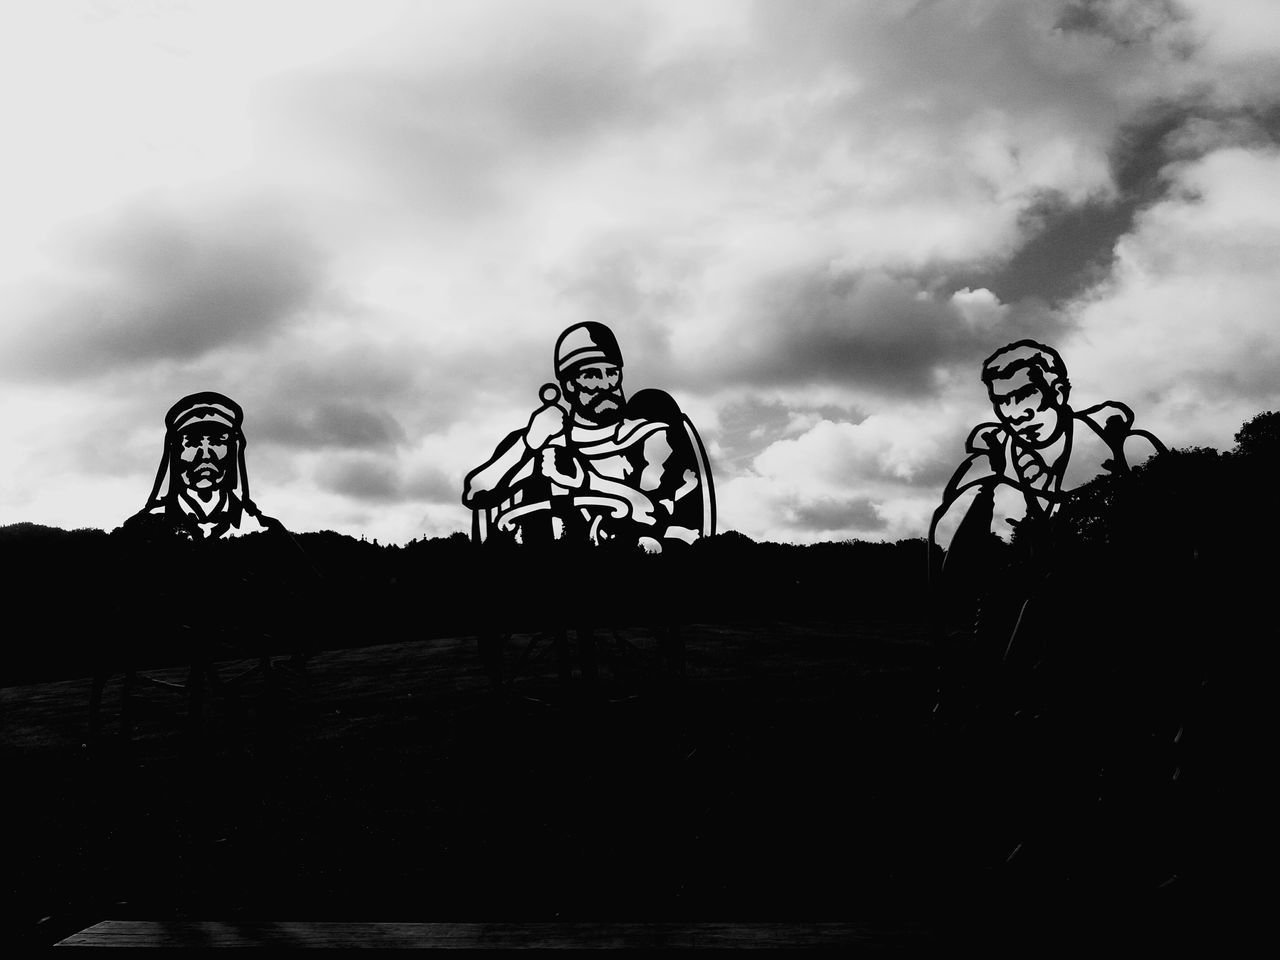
[{"x": 562, "y": 502}]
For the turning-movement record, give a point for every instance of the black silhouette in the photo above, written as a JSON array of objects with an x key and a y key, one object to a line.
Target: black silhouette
[
  {"x": 173, "y": 550},
  {"x": 1117, "y": 778},
  {"x": 1024, "y": 467},
  {"x": 1040, "y": 449},
  {"x": 634, "y": 472},
  {"x": 202, "y": 487},
  {"x": 592, "y": 471},
  {"x": 1064, "y": 680}
]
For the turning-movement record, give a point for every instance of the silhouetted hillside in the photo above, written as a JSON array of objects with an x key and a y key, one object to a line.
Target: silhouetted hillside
[
  {"x": 83, "y": 594},
  {"x": 1189, "y": 535}
]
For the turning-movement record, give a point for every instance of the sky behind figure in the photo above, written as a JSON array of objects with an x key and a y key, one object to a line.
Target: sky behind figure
[{"x": 811, "y": 222}]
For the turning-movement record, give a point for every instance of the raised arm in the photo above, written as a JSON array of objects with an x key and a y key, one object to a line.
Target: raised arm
[{"x": 489, "y": 483}]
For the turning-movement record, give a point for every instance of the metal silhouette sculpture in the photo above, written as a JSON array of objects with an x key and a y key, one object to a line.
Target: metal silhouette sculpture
[
  {"x": 1043, "y": 670},
  {"x": 593, "y": 466},
  {"x": 593, "y": 470},
  {"x": 1039, "y": 450},
  {"x": 199, "y": 499},
  {"x": 1028, "y": 466},
  {"x": 201, "y": 489}
]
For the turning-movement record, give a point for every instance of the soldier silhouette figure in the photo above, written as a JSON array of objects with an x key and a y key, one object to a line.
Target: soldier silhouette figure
[{"x": 595, "y": 478}]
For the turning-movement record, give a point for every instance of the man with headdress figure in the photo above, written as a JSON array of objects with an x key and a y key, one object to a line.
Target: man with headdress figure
[
  {"x": 177, "y": 555},
  {"x": 593, "y": 470},
  {"x": 201, "y": 489}
]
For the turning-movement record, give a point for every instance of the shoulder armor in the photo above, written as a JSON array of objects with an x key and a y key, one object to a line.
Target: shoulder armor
[
  {"x": 652, "y": 404},
  {"x": 1103, "y": 415},
  {"x": 1111, "y": 419}
]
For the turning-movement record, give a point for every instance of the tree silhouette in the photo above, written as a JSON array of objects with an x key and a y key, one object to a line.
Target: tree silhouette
[{"x": 1260, "y": 435}]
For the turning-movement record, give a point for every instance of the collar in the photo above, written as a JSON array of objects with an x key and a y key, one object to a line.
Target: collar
[{"x": 193, "y": 506}]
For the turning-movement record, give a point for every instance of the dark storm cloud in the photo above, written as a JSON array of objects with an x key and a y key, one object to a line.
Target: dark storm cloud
[
  {"x": 433, "y": 486},
  {"x": 995, "y": 61},
  {"x": 1071, "y": 247},
  {"x": 872, "y": 331},
  {"x": 318, "y": 373},
  {"x": 157, "y": 285},
  {"x": 749, "y": 425},
  {"x": 364, "y": 478},
  {"x": 1121, "y": 21},
  {"x": 910, "y": 57},
  {"x": 1003, "y": 60},
  {"x": 632, "y": 284},
  {"x": 1253, "y": 377},
  {"x": 1253, "y": 127},
  {"x": 360, "y": 395},
  {"x": 446, "y": 125},
  {"x": 853, "y": 514},
  {"x": 344, "y": 425},
  {"x": 380, "y": 480},
  {"x": 934, "y": 474},
  {"x": 574, "y": 73}
]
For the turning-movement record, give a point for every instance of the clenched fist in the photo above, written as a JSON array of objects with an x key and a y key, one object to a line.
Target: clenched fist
[
  {"x": 543, "y": 425},
  {"x": 561, "y": 468}
]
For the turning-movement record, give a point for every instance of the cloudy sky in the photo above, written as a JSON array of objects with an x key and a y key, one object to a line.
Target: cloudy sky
[{"x": 368, "y": 221}]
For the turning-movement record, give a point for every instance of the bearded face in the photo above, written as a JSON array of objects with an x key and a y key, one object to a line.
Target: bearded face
[{"x": 595, "y": 392}]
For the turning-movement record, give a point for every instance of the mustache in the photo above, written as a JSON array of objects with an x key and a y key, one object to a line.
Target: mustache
[
  {"x": 609, "y": 396},
  {"x": 205, "y": 471}
]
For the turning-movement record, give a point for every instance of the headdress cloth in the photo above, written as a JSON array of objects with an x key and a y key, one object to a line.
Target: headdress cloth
[{"x": 197, "y": 409}]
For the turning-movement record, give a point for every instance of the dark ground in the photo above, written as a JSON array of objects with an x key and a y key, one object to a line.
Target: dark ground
[{"x": 797, "y": 773}]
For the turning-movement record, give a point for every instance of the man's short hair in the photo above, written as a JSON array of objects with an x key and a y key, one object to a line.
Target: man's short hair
[{"x": 1030, "y": 355}]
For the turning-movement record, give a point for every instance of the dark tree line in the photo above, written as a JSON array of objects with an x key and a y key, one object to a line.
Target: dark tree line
[
  {"x": 76, "y": 596},
  {"x": 1103, "y": 700},
  {"x": 1147, "y": 566}
]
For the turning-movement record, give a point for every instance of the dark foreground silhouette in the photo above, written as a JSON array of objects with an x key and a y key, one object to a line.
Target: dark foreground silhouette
[{"x": 828, "y": 754}]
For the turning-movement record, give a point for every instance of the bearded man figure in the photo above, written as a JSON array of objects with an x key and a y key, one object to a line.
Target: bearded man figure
[
  {"x": 592, "y": 470},
  {"x": 604, "y": 470}
]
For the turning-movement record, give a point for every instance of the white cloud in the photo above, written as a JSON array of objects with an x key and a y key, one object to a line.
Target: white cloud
[
  {"x": 1186, "y": 330},
  {"x": 769, "y": 203},
  {"x": 876, "y": 479}
]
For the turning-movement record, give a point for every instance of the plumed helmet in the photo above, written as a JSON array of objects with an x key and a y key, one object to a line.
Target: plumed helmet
[{"x": 588, "y": 342}]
